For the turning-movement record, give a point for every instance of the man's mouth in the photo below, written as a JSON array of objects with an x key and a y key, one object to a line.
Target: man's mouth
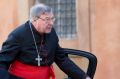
[{"x": 49, "y": 27}]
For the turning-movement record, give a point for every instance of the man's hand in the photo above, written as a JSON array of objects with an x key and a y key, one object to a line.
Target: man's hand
[{"x": 88, "y": 77}]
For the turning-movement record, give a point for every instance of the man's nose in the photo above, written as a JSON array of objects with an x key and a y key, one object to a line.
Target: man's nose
[{"x": 51, "y": 22}]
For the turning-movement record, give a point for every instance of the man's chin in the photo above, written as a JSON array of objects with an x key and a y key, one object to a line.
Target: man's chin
[{"x": 48, "y": 31}]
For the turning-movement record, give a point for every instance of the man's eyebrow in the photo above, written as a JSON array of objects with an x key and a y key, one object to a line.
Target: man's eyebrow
[{"x": 50, "y": 17}]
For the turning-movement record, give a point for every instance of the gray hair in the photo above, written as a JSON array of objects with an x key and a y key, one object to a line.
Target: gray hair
[{"x": 37, "y": 10}]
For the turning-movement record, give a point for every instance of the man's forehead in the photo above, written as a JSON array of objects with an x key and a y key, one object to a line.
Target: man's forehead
[{"x": 47, "y": 15}]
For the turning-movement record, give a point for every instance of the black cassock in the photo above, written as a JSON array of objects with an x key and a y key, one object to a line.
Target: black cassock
[{"x": 20, "y": 46}]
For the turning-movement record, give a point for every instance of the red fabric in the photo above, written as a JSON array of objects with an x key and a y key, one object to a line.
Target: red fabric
[{"x": 31, "y": 72}]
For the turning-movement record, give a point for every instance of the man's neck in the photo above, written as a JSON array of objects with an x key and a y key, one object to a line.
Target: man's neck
[{"x": 35, "y": 26}]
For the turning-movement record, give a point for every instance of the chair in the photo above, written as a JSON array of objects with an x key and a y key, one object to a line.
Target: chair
[{"x": 92, "y": 63}]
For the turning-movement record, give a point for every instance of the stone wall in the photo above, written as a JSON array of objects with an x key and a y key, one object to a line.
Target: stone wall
[
  {"x": 106, "y": 38},
  {"x": 97, "y": 29}
]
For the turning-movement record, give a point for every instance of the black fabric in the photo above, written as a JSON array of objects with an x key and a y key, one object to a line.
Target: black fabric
[
  {"x": 20, "y": 46},
  {"x": 5, "y": 75},
  {"x": 68, "y": 67}
]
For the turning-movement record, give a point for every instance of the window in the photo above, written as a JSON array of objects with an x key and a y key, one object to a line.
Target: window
[{"x": 65, "y": 13}]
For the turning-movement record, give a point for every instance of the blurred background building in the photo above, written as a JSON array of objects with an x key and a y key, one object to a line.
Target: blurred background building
[{"x": 80, "y": 24}]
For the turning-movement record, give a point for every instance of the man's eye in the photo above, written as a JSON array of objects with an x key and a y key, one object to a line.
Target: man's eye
[{"x": 47, "y": 18}]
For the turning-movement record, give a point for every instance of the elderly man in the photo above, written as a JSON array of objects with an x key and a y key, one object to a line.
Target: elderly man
[{"x": 30, "y": 50}]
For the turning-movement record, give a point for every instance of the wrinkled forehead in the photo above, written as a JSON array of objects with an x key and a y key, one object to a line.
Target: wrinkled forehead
[{"x": 49, "y": 15}]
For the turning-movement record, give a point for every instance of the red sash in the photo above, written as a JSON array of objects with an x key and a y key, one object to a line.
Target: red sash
[{"x": 31, "y": 72}]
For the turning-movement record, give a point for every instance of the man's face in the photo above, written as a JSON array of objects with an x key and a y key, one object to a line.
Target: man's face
[{"x": 45, "y": 23}]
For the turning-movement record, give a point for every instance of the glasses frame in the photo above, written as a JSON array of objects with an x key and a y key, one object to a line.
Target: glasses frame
[{"x": 47, "y": 19}]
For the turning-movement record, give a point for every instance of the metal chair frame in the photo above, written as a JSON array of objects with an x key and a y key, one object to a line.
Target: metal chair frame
[{"x": 92, "y": 60}]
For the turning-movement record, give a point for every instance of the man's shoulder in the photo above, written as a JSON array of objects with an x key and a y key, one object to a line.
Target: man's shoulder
[
  {"x": 21, "y": 29},
  {"x": 53, "y": 31}
]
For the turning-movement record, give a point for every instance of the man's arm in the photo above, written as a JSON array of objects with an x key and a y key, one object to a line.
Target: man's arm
[
  {"x": 67, "y": 66},
  {"x": 8, "y": 53}
]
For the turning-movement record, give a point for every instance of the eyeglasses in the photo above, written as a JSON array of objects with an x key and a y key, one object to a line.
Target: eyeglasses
[{"x": 47, "y": 19}]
